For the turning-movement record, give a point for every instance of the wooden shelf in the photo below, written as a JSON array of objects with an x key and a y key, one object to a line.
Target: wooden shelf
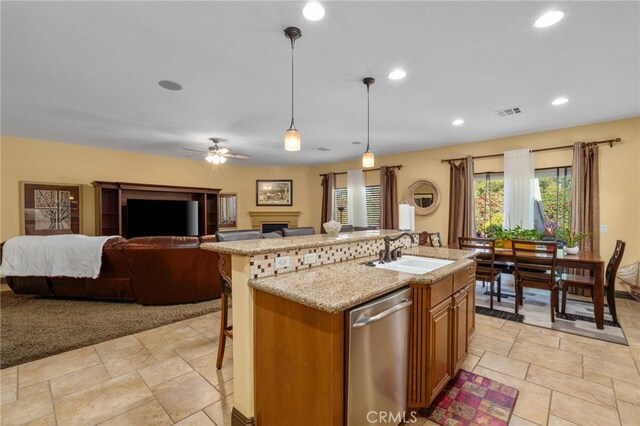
[{"x": 112, "y": 197}]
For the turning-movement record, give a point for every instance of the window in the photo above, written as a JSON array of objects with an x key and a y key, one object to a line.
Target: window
[
  {"x": 552, "y": 188},
  {"x": 489, "y": 201},
  {"x": 555, "y": 196},
  {"x": 372, "y": 194}
]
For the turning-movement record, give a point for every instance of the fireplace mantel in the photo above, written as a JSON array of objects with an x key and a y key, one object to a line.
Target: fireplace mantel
[{"x": 265, "y": 216}]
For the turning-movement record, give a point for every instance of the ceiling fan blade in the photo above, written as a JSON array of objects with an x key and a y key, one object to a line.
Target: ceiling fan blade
[
  {"x": 238, "y": 156},
  {"x": 223, "y": 150},
  {"x": 194, "y": 150},
  {"x": 195, "y": 155}
]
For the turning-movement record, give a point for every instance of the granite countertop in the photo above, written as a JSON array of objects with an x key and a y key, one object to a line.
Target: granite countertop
[
  {"x": 275, "y": 245},
  {"x": 340, "y": 286}
]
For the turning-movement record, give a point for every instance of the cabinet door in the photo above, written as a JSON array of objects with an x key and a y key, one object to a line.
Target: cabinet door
[
  {"x": 460, "y": 309},
  {"x": 439, "y": 338},
  {"x": 471, "y": 312}
]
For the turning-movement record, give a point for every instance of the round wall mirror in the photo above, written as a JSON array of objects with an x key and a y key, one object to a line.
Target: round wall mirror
[{"x": 424, "y": 195}]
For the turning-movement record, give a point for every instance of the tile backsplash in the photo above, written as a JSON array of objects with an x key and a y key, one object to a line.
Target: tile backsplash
[{"x": 264, "y": 265}]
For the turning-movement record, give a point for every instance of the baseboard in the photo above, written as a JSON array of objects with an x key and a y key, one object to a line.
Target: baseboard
[
  {"x": 239, "y": 419},
  {"x": 623, "y": 295}
]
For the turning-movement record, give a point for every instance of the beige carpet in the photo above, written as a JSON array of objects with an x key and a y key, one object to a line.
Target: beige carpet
[{"x": 35, "y": 327}]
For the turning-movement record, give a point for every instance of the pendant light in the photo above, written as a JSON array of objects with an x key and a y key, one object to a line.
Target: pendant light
[
  {"x": 292, "y": 137},
  {"x": 368, "y": 159}
]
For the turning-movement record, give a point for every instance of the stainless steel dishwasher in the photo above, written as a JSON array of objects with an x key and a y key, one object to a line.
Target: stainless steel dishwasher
[{"x": 377, "y": 358}]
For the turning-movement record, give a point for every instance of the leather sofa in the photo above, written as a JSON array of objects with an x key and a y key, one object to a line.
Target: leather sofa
[{"x": 149, "y": 270}]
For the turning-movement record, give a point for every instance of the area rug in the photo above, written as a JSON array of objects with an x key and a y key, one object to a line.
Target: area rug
[
  {"x": 36, "y": 327},
  {"x": 579, "y": 318},
  {"x": 470, "y": 399}
]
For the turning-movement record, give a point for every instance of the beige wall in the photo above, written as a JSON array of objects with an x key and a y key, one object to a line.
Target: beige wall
[
  {"x": 619, "y": 174},
  {"x": 43, "y": 161},
  {"x": 32, "y": 160}
]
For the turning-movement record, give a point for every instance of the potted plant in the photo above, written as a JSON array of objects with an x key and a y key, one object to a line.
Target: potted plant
[
  {"x": 571, "y": 238},
  {"x": 503, "y": 237}
]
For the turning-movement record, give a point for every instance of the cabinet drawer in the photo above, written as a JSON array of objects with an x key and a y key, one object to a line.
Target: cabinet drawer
[
  {"x": 440, "y": 291},
  {"x": 463, "y": 278}
]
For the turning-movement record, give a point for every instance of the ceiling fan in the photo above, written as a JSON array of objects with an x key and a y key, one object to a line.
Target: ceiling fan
[{"x": 215, "y": 154}]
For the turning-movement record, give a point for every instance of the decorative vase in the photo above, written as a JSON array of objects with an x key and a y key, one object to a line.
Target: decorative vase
[
  {"x": 332, "y": 227},
  {"x": 571, "y": 250}
]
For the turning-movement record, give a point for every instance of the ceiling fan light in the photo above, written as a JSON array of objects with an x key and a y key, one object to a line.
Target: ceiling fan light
[
  {"x": 368, "y": 159},
  {"x": 292, "y": 140},
  {"x": 223, "y": 159},
  {"x": 209, "y": 158}
]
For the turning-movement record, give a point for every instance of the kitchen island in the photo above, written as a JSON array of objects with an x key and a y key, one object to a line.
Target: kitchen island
[{"x": 289, "y": 322}]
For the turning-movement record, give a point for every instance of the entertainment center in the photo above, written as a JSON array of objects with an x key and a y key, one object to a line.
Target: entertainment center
[{"x": 136, "y": 209}]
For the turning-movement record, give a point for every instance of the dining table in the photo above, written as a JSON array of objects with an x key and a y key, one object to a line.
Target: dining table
[{"x": 586, "y": 260}]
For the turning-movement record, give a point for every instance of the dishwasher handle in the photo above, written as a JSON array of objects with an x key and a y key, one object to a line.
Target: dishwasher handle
[{"x": 370, "y": 320}]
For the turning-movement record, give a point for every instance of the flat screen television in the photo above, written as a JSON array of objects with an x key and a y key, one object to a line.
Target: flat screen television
[{"x": 148, "y": 218}]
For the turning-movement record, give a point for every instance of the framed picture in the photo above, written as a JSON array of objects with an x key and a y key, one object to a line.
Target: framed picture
[
  {"x": 274, "y": 192},
  {"x": 50, "y": 208}
]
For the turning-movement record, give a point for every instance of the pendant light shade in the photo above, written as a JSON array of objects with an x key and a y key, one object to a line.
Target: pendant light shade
[
  {"x": 368, "y": 159},
  {"x": 292, "y": 136},
  {"x": 292, "y": 140}
]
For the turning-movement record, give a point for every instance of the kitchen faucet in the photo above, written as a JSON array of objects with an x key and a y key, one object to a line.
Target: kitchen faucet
[{"x": 389, "y": 254}]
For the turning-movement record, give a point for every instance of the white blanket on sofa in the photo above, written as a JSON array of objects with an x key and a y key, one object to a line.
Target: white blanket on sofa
[{"x": 77, "y": 256}]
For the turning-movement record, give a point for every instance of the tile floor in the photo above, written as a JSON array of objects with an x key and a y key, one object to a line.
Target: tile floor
[{"x": 168, "y": 376}]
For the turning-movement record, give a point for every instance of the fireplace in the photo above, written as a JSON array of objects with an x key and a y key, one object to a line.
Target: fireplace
[
  {"x": 281, "y": 219},
  {"x": 272, "y": 227}
]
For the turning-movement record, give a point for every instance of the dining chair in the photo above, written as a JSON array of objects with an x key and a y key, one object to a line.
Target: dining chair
[
  {"x": 486, "y": 271},
  {"x": 226, "y": 330},
  {"x": 535, "y": 267},
  {"x": 580, "y": 281}
]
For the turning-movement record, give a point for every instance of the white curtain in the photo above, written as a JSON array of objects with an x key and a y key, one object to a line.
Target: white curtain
[
  {"x": 518, "y": 188},
  {"x": 356, "y": 198}
]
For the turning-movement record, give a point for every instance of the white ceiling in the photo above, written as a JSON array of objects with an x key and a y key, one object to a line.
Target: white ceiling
[{"x": 87, "y": 73}]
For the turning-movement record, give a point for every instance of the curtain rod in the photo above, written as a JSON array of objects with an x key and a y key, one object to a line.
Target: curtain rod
[
  {"x": 610, "y": 142},
  {"x": 364, "y": 170}
]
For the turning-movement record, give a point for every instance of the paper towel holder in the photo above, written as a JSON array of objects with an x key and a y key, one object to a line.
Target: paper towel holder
[{"x": 424, "y": 195}]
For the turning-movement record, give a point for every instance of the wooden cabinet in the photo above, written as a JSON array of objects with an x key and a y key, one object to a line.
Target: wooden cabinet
[
  {"x": 299, "y": 363},
  {"x": 439, "y": 344},
  {"x": 460, "y": 341},
  {"x": 112, "y": 198},
  {"x": 443, "y": 319},
  {"x": 471, "y": 313}
]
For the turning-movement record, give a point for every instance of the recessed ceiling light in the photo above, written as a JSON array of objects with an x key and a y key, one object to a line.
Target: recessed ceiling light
[
  {"x": 169, "y": 85},
  {"x": 457, "y": 122},
  {"x": 559, "y": 101},
  {"x": 549, "y": 19},
  {"x": 397, "y": 75},
  {"x": 313, "y": 11}
]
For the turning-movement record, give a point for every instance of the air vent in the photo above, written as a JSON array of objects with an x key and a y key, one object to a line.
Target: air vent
[
  {"x": 508, "y": 111},
  {"x": 322, "y": 149}
]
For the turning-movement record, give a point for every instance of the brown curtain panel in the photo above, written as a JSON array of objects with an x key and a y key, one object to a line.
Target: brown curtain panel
[
  {"x": 585, "y": 194},
  {"x": 328, "y": 186},
  {"x": 461, "y": 200},
  {"x": 388, "y": 198}
]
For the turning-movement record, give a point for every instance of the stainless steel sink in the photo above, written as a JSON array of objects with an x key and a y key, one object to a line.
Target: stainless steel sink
[{"x": 414, "y": 264}]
